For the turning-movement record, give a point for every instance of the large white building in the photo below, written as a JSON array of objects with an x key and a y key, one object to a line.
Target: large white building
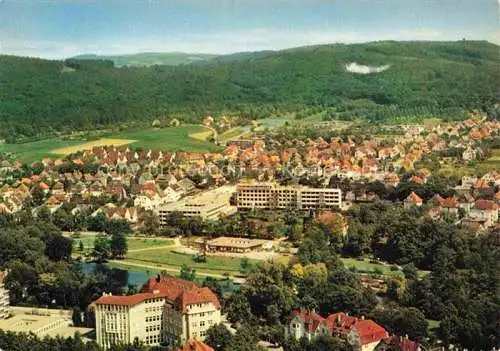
[
  {"x": 4, "y": 298},
  {"x": 267, "y": 195},
  {"x": 210, "y": 204},
  {"x": 167, "y": 311}
]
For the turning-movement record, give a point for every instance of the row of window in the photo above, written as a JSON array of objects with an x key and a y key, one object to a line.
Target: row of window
[
  {"x": 195, "y": 324},
  {"x": 156, "y": 317},
  {"x": 203, "y": 333},
  {"x": 153, "y": 309}
]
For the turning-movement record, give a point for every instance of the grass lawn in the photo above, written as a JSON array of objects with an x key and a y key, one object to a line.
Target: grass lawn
[
  {"x": 134, "y": 243},
  {"x": 167, "y": 257},
  {"x": 367, "y": 267},
  {"x": 168, "y": 139}
]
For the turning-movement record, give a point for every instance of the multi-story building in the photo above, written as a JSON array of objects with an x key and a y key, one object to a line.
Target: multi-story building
[
  {"x": 167, "y": 311},
  {"x": 207, "y": 205},
  {"x": 4, "y": 298},
  {"x": 266, "y": 195}
]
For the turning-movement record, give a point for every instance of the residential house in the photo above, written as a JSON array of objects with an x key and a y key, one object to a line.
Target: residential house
[
  {"x": 361, "y": 334},
  {"x": 306, "y": 324},
  {"x": 485, "y": 210},
  {"x": 365, "y": 335},
  {"x": 412, "y": 200}
]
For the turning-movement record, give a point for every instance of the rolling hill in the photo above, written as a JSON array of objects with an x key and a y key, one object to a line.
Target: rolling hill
[
  {"x": 40, "y": 97},
  {"x": 148, "y": 58}
]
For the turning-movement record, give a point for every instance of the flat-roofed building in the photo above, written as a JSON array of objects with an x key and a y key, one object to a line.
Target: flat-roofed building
[
  {"x": 168, "y": 310},
  {"x": 207, "y": 205},
  {"x": 266, "y": 195},
  {"x": 235, "y": 245},
  {"x": 41, "y": 322},
  {"x": 4, "y": 297}
]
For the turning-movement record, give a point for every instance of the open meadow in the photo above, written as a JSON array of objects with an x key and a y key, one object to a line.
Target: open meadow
[
  {"x": 91, "y": 144},
  {"x": 182, "y": 138}
]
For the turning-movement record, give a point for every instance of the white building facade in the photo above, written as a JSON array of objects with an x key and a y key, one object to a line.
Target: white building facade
[
  {"x": 168, "y": 311},
  {"x": 273, "y": 196}
]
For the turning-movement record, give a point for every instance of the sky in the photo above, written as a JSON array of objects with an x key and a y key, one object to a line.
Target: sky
[{"x": 64, "y": 28}]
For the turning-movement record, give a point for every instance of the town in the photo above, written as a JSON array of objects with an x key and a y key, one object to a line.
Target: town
[
  {"x": 250, "y": 175},
  {"x": 252, "y": 208}
]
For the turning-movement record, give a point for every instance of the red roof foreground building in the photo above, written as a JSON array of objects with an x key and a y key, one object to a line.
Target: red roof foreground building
[
  {"x": 360, "y": 333},
  {"x": 195, "y": 345},
  {"x": 369, "y": 332},
  {"x": 182, "y": 292}
]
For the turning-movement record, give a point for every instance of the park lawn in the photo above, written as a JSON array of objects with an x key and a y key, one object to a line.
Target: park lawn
[
  {"x": 88, "y": 243},
  {"x": 168, "y": 257},
  {"x": 168, "y": 139},
  {"x": 36, "y": 150},
  {"x": 367, "y": 267},
  {"x": 134, "y": 243}
]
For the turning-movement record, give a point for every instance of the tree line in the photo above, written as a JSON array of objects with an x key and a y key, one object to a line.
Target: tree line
[{"x": 42, "y": 97}]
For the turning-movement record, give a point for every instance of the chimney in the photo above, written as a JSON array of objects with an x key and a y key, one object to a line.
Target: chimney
[
  {"x": 157, "y": 278},
  {"x": 362, "y": 318}
]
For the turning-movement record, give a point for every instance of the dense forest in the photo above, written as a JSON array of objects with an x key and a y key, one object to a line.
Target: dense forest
[{"x": 41, "y": 97}]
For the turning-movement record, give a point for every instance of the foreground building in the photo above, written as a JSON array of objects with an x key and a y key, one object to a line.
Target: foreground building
[
  {"x": 167, "y": 311},
  {"x": 196, "y": 345},
  {"x": 362, "y": 334},
  {"x": 267, "y": 195},
  {"x": 4, "y": 298}
]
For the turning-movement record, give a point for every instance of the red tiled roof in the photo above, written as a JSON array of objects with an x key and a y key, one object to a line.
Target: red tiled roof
[
  {"x": 311, "y": 319},
  {"x": 183, "y": 291},
  {"x": 369, "y": 331},
  {"x": 414, "y": 198},
  {"x": 340, "y": 322},
  {"x": 195, "y": 345},
  {"x": 486, "y": 205},
  {"x": 450, "y": 202},
  {"x": 130, "y": 300}
]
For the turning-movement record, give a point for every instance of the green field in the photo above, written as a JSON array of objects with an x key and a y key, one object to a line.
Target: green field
[
  {"x": 170, "y": 258},
  {"x": 168, "y": 139},
  {"x": 231, "y": 133},
  {"x": 134, "y": 243},
  {"x": 36, "y": 150},
  {"x": 367, "y": 267}
]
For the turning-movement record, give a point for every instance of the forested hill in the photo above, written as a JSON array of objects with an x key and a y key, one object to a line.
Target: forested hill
[
  {"x": 146, "y": 59},
  {"x": 40, "y": 96}
]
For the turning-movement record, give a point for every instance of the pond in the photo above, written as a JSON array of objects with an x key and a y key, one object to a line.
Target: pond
[{"x": 122, "y": 278}]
